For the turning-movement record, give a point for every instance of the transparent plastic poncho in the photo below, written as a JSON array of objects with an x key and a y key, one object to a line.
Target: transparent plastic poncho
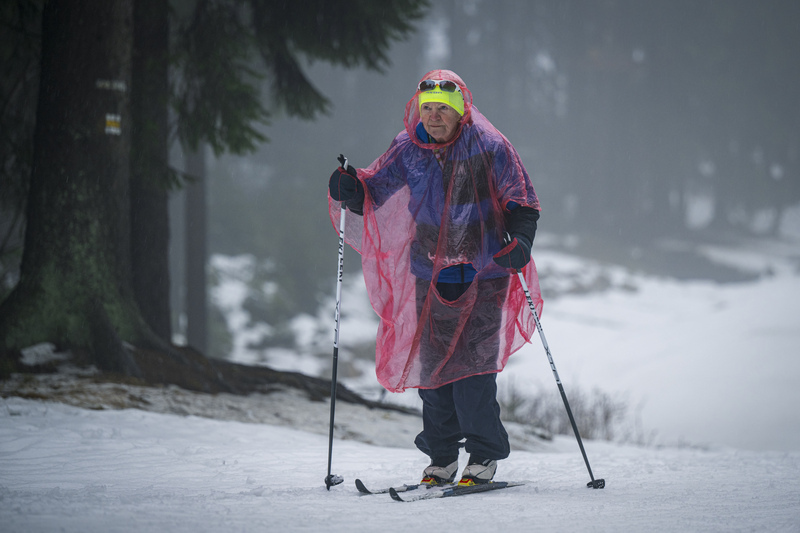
[{"x": 421, "y": 216}]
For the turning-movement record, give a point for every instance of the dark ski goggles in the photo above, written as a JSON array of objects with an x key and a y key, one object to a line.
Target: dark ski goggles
[{"x": 445, "y": 85}]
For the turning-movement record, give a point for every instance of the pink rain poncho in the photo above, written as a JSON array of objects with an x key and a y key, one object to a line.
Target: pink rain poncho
[{"x": 421, "y": 216}]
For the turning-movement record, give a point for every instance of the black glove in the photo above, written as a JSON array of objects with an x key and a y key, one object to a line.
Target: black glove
[
  {"x": 521, "y": 225},
  {"x": 515, "y": 255},
  {"x": 344, "y": 185}
]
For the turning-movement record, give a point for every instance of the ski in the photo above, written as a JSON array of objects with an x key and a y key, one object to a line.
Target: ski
[
  {"x": 453, "y": 490},
  {"x": 402, "y": 488}
]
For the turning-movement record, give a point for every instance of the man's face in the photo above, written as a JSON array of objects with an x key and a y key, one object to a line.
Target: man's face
[{"x": 439, "y": 120}]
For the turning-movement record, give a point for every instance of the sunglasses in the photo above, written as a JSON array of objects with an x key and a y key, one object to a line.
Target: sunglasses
[{"x": 445, "y": 85}]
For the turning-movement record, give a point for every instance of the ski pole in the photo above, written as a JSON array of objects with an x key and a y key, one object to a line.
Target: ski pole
[
  {"x": 594, "y": 483},
  {"x": 330, "y": 479}
]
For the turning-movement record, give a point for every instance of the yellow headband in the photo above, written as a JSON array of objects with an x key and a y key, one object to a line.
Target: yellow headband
[{"x": 453, "y": 99}]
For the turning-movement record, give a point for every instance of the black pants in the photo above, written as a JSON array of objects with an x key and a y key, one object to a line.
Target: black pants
[{"x": 464, "y": 409}]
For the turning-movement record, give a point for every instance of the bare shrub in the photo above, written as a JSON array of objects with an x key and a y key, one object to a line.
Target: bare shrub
[{"x": 598, "y": 415}]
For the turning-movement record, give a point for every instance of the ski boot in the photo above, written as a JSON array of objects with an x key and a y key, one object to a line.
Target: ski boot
[
  {"x": 478, "y": 471},
  {"x": 442, "y": 470}
]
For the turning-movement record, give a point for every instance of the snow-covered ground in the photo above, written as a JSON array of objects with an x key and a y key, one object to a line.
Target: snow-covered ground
[
  {"x": 64, "y": 468},
  {"x": 709, "y": 364},
  {"x": 697, "y": 362},
  {"x": 711, "y": 368}
]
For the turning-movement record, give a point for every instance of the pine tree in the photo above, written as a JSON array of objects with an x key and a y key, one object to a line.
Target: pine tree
[{"x": 76, "y": 286}]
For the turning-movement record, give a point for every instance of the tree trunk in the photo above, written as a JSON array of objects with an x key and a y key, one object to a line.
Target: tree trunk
[
  {"x": 196, "y": 252},
  {"x": 150, "y": 165},
  {"x": 75, "y": 282}
]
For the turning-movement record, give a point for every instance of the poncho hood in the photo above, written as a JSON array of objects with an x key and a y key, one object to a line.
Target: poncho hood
[
  {"x": 431, "y": 211},
  {"x": 412, "y": 117}
]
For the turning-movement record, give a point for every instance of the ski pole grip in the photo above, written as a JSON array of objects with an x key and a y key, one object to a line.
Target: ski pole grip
[{"x": 343, "y": 161}]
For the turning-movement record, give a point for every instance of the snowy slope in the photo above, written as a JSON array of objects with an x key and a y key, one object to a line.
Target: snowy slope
[
  {"x": 700, "y": 362},
  {"x": 67, "y": 469},
  {"x": 709, "y": 363},
  {"x": 714, "y": 368}
]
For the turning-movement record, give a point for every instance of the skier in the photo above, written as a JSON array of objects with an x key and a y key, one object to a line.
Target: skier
[{"x": 429, "y": 218}]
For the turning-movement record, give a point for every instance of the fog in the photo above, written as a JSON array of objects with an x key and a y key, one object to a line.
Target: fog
[{"x": 648, "y": 128}]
